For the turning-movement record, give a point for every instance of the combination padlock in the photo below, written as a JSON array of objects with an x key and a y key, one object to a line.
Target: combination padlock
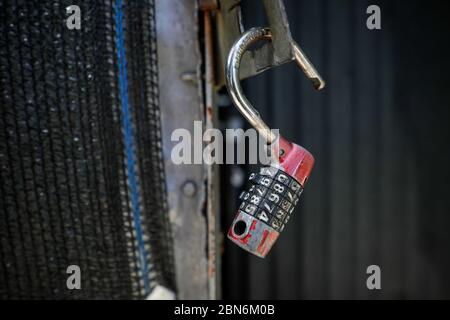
[{"x": 275, "y": 191}]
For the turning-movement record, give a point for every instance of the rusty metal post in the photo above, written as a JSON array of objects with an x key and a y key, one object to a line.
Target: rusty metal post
[
  {"x": 181, "y": 101},
  {"x": 212, "y": 209}
]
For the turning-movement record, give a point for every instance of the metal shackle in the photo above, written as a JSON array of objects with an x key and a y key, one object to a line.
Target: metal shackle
[{"x": 238, "y": 49}]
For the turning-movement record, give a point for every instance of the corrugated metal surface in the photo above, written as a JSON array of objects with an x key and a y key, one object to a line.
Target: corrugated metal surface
[{"x": 379, "y": 133}]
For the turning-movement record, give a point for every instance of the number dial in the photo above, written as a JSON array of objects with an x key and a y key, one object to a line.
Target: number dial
[{"x": 271, "y": 197}]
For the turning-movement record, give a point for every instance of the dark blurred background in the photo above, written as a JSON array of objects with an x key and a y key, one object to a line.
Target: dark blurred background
[{"x": 380, "y": 134}]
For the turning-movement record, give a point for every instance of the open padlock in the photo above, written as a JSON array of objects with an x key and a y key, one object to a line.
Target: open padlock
[{"x": 275, "y": 191}]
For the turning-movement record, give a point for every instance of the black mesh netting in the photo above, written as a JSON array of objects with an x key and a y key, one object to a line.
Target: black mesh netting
[{"x": 64, "y": 193}]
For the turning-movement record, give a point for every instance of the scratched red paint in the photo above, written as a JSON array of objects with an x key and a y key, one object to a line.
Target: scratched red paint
[
  {"x": 262, "y": 244},
  {"x": 267, "y": 242},
  {"x": 245, "y": 239},
  {"x": 296, "y": 161}
]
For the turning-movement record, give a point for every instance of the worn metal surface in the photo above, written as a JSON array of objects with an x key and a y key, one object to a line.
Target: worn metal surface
[
  {"x": 281, "y": 34},
  {"x": 181, "y": 103},
  {"x": 271, "y": 54},
  {"x": 212, "y": 205}
]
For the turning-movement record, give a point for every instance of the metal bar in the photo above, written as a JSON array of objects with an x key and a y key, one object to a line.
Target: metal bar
[
  {"x": 212, "y": 174},
  {"x": 272, "y": 54},
  {"x": 181, "y": 104}
]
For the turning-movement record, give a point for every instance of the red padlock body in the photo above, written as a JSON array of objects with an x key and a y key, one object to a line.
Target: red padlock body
[
  {"x": 257, "y": 239},
  {"x": 295, "y": 161},
  {"x": 256, "y": 234}
]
